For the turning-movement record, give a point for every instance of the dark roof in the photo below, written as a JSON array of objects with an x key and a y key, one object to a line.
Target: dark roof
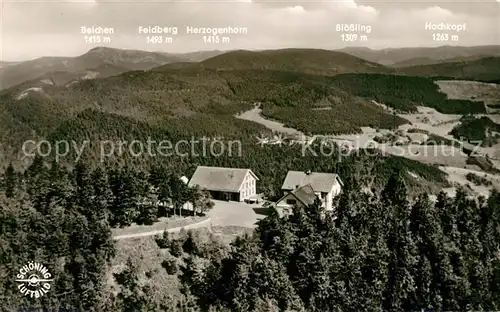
[
  {"x": 319, "y": 181},
  {"x": 305, "y": 194},
  {"x": 219, "y": 179}
]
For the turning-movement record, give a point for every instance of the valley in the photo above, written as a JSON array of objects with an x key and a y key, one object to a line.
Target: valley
[
  {"x": 336, "y": 98},
  {"x": 451, "y": 159}
]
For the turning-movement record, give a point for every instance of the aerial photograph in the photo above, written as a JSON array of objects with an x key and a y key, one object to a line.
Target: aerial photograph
[{"x": 249, "y": 155}]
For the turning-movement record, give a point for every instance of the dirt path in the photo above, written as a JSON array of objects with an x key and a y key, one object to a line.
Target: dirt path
[
  {"x": 255, "y": 116},
  {"x": 234, "y": 214},
  {"x": 223, "y": 214},
  {"x": 202, "y": 223}
]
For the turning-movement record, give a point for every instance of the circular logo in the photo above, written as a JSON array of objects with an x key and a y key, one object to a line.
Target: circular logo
[{"x": 34, "y": 280}]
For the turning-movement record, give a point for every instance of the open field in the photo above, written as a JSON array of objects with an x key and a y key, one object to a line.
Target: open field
[
  {"x": 495, "y": 118},
  {"x": 433, "y": 121},
  {"x": 439, "y": 124},
  {"x": 457, "y": 176},
  {"x": 451, "y": 159}
]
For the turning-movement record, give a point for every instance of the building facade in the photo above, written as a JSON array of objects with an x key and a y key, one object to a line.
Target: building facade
[{"x": 231, "y": 184}]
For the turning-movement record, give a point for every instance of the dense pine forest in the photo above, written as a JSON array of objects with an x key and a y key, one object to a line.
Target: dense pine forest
[
  {"x": 381, "y": 251},
  {"x": 63, "y": 219}
]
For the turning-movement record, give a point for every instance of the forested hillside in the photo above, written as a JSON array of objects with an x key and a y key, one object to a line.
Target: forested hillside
[
  {"x": 309, "y": 61},
  {"x": 480, "y": 130},
  {"x": 422, "y": 55},
  {"x": 378, "y": 252},
  {"x": 383, "y": 251},
  {"x": 95, "y": 60},
  {"x": 63, "y": 220},
  {"x": 238, "y": 139},
  {"x": 384, "y": 254},
  {"x": 483, "y": 69},
  {"x": 198, "y": 96}
]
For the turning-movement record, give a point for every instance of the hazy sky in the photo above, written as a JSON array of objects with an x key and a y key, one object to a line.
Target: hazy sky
[{"x": 30, "y": 29}]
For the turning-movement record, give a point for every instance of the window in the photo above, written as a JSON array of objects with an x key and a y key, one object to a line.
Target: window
[{"x": 291, "y": 201}]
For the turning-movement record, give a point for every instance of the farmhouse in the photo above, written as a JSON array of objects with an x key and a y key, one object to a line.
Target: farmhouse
[
  {"x": 233, "y": 184},
  {"x": 303, "y": 188}
]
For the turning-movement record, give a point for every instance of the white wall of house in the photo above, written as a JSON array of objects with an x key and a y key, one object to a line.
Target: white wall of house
[
  {"x": 335, "y": 191},
  {"x": 322, "y": 196},
  {"x": 249, "y": 187}
]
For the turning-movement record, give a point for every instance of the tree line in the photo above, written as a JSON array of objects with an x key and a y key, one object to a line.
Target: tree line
[
  {"x": 128, "y": 195},
  {"x": 382, "y": 252},
  {"x": 378, "y": 251},
  {"x": 63, "y": 219}
]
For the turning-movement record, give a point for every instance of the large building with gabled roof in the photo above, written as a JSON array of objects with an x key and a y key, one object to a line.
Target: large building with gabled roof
[{"x": 234, "y": 184}]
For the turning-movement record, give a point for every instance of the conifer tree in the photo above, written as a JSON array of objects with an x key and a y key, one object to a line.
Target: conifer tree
[
  {"x": 400, "y": 284},
  {"x": 10, "y": 181}
]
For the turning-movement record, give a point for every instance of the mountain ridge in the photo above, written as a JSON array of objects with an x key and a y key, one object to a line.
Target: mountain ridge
[
  {"x": 310, "y": 61},
  {"x": 390, "y": 56},
  {"x": 314, "y": 61},
  {"x": 482, "y": 69},
  {"x": 94, "y": 58}
]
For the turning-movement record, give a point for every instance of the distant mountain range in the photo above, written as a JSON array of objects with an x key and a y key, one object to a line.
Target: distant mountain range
[
  {"x": 4, "y": 64},
  {"x": 418, "y": 61},
  {"x": 309, "y": 61},
  {"x": 101, "y": 62},
  {"x": 199, "y": 56},
  {"x": 98, "y": 62},
  {"x": 482, "y": 69},
  {"x": 142, "y": 94},
  {"x": 399, "y": 57}
]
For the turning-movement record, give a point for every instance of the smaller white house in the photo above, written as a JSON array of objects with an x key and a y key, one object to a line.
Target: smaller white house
[
  {"x": 299, "y": 186},
  {"x": 303, "y": 196}
]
